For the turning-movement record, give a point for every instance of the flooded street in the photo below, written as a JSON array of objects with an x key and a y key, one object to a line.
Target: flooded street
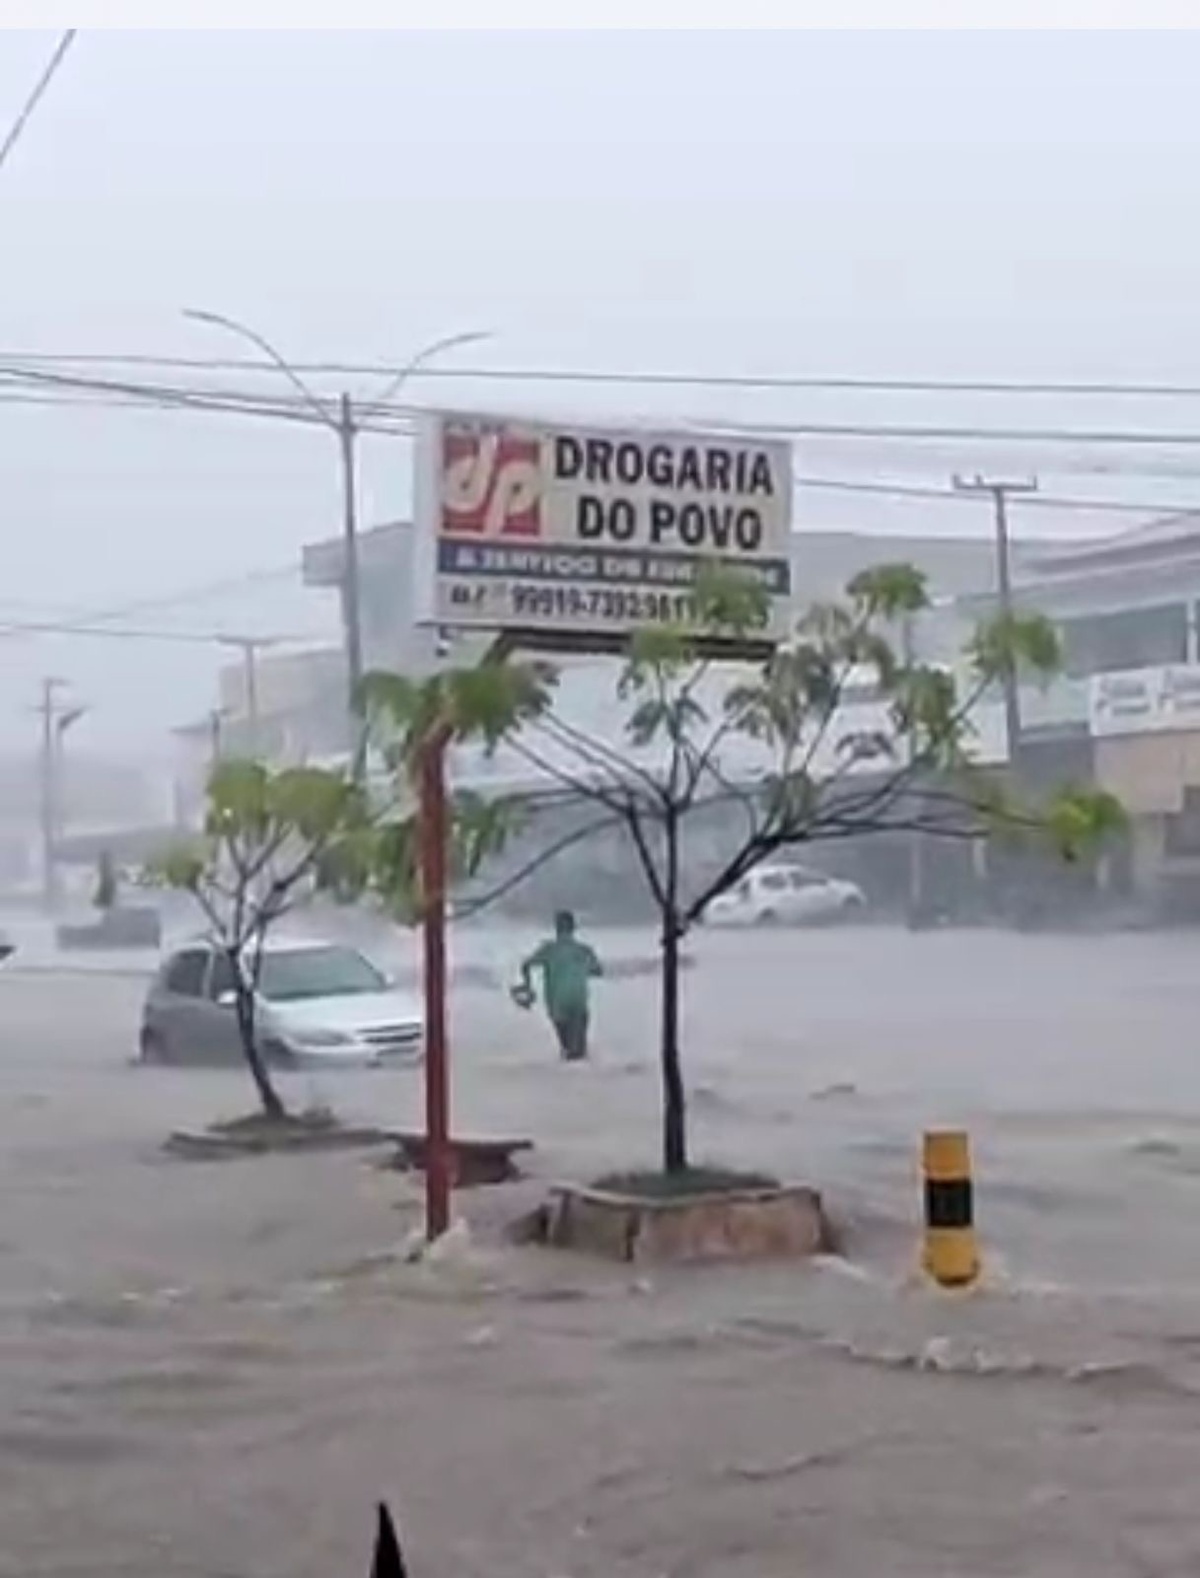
[{"x": 217, "y": 1369}]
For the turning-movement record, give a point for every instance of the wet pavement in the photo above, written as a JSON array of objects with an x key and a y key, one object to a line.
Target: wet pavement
[{"x": 217, "y": 1369}]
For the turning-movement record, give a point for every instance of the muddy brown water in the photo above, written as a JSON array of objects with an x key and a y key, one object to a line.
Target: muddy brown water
[{"x": 218, "y": 1369}]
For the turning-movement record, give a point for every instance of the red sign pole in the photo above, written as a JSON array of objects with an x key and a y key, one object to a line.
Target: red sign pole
[{"x": 433, "y": 842}]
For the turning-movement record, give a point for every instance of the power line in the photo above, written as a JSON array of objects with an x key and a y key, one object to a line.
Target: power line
[
  {"x": 975, "y": 435},
  {"x": 243, "y": 403},
  {"x": 51, "y": 627},
  {"x": 92, "y": 617},
  {"x": 199, "y": 593},
  {"x": 1113, "y": 389},
  {"x": 104, "y": 391},
  {"x": 395, "y": 419},
  {"x": 51, "y": 387},
  {"x": 247, "y": 404},
  {"x": 31, "y": 103},
  {"x": 1040, "y": 501}
]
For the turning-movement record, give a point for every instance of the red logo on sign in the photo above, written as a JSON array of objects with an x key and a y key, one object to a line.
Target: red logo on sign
[{"x": 491, "y": 485}]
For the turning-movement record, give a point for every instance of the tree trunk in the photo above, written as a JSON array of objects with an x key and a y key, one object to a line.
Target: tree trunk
[
  {"x": 272, "y": 1104},
  {"x": 675, "y": 1157}
]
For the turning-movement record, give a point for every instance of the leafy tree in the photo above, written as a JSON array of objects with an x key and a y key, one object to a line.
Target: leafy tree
[
  {"x": 480, "y": 704},
  {"x": 813, "y": 780},
  {"x": 273, "y": 837},
  {"x": 266, "y": 836}
]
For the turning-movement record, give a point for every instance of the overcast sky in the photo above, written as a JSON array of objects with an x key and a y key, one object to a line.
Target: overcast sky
[{"x": 989, "y": 204}]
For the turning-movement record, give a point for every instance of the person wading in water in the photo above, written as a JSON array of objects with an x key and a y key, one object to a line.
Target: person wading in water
[{"x": 568, "y": 968}]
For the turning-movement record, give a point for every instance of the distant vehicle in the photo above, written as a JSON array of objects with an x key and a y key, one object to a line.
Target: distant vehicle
[
  {"x": 320, "y": 1005},
  {"x": 785, "y": 896}
]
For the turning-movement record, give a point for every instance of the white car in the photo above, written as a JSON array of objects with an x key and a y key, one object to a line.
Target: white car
[
  {"x": 786, "y": 896},
  {"x": 320, "y": 1004}
]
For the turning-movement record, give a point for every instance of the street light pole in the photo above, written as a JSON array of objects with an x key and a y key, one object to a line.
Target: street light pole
[
  {"x": 340, "y": 417},
  {"x": 433, "y": 837}
]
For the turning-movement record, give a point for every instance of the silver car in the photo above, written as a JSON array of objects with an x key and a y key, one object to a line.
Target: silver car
[
  {"x": 785, "y": 895},
  {"x": 320, "y": 1004}
]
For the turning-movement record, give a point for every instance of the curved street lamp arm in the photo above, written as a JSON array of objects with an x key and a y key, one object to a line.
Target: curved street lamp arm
[
  {"x": 446, "y": 343},
  {"x": 244, "y": 332}
]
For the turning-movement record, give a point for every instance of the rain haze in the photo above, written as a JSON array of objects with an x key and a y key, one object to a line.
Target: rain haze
[
  {"x": 889, "y": 205},
  {"x": 777, "y": 1152}
]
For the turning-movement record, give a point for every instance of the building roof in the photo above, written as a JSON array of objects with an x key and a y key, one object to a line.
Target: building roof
[
  {"x": 1167, "y": 537},
  {"x": 321, "y": 562},
  {"x": 823, "y": 561},
  {"x": 1158, "y": 561}
]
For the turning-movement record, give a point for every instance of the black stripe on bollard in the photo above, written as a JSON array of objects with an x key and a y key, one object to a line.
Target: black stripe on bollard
[{"x": 949, "y": 1202}]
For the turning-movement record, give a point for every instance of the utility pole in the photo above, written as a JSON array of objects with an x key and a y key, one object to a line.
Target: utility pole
[
  {"x": 46, "y": 792},
  {"x": 55, "y": 721},
  {"x": 1000, "y": 493},
  {"x": 347, "y": 430},
  {"x": 249, "y": 647},
  {"x": 916, "y": 844},
  {"x": 250, "y": 664},
  {"x": 347, "y": 435}
]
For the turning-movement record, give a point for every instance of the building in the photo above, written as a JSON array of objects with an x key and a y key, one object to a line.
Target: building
[
  {"x": 391, "y": 636},
  {"x": 1127, "y": 704},
  {"x": 293, "y": 710},
  {"x": 106, "y": 804},
  {"x": 1124, "y": 714},
  {"x": 823, "y": 562}
]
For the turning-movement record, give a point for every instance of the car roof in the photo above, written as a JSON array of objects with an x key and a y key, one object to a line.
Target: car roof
[
  {"x": 786, "y": 867},
  {"x": 271, "y": 945},
  {"x": 302, "y": 944}
]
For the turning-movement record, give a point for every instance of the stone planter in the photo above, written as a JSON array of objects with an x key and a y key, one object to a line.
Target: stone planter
[
  {"x": 265, "y": 1137},
  {"x": 472, "y": 1162},
  {"x": 745, "y": 1224}
]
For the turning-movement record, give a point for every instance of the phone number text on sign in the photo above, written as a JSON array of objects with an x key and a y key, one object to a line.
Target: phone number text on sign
[
  {"x": 602, "y": 603},
  {"x": 529, "y": 525},
  {"x": 528, "y": 605}
]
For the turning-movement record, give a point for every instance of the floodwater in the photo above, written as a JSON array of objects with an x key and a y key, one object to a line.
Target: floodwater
[{"x": 217, "y": 1369}]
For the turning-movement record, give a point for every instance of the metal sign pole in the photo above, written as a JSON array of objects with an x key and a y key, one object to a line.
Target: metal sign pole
[
  {"x": 433, "y": 838},
  {"x": 560, "y": 538}
]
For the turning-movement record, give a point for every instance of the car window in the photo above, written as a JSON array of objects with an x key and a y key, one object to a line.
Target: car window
[
  {"x": 806, "y": 879},
  {"x": 185, "y": 974},
  {"x": 221, "y": 979},
  {"x": 317, "y": 972},
  {"x": 774, "y": 881}
]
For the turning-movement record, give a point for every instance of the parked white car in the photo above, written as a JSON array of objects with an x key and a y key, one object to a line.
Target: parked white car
[
  {"x": 320, "y": 1004},
  {"x": 785, "y": 896}
]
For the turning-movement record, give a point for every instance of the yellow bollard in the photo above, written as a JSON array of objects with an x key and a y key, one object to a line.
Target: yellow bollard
[{"x": 951, "y": 1255}]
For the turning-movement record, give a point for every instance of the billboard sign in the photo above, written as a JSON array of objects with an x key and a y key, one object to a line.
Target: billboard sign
[{"x": 528, "y": 525}]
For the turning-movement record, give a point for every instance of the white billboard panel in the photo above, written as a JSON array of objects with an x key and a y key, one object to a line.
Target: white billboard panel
[{"x": 527, "y": 525}]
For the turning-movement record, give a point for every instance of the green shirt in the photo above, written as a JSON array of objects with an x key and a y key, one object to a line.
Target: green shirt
[{"x": 567, "y": 968}]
